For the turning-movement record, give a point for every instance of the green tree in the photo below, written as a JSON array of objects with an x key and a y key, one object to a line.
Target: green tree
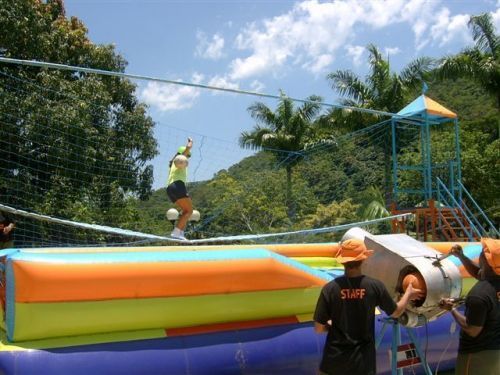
[
  {"x": 479, "y": 142},
  {"x": 382, "y": 90},
  {"x": 341, "y": 171},
  {"x": 480, "y": 62},
  {"x": 333, "y": 214},
  {"x": 250, "y": 208},
  {"x": 75, "y": 141},
  {"x": 284, "y": 132},
  {"x": 372, "y": 204}
]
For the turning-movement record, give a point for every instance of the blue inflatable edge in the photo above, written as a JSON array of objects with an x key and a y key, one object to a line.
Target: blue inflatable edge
[
  {"x": 296, "y": 264},
  {"x": 10, "y": 292}
]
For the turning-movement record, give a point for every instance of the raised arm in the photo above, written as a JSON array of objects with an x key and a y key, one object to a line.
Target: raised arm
[
  {"x": 469, "y": 265},
  {"x": 189, "y": 145},
  {"x": 8, "y": 228},
  {"x": 410, "y": 294}
]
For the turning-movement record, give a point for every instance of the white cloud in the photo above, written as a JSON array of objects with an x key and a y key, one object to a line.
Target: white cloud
[
  {"x": 223, "y": 82},
  {"x": 171, "y": 97},
  {"x": 355, "y": 53},
  {"x": 419, "y": 14},
  {"x": 391, "y": 51},
  {"x": 316, "y": 31},
  {"x": 449, "y": 27},
  {"x": 270, "y": 48},
  {"x": 209, "y": 49},
  {"x": 305, "y": 30},
  {"x": 319, "y": 63},
  {"x": 257, "y": 86},
  {"x": 251, "y": 66},
  {"x": 312, "y": 33},
  {"x": 496, "y": 17}
]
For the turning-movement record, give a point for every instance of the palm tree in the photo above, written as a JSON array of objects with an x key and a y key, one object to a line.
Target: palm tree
[
  {"x": 373, "y": 204},
  {"x": 284, "y": 132},
  {"x": 480, "y": 62},
  {"x": 382, "y": 90}
]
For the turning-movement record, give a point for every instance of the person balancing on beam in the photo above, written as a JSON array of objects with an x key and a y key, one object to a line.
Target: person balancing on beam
[{"x": 176, "y": 188}]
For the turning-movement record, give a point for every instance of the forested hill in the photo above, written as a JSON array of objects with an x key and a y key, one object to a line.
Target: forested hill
[
  {"x": 340, "y": 183},
  {"x": 479, "y": 120},
  {"x": 465, "y": 98},
  {"x": 80, "y": 146}
]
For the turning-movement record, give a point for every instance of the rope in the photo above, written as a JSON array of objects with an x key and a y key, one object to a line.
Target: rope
[
  {"x": 189, "y": 84},
  {"x": 246, "y": 237}
]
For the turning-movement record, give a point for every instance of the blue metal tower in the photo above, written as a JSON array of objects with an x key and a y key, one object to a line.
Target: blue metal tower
[
  {"x": 430, "y": 187},
  {"x": 414, "y": 121}
]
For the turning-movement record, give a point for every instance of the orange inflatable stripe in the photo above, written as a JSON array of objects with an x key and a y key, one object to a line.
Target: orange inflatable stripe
[
  {"x": 52, "y": 282},
  {"x": 231, "y": 326}
]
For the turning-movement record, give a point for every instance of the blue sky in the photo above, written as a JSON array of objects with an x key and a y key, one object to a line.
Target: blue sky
[{"x": 258, "y": 45}]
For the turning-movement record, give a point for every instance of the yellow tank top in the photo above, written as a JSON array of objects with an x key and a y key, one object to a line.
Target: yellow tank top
[{"x": 177, "y": 174}]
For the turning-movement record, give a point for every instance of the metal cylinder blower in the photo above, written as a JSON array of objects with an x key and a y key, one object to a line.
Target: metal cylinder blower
[{"x": 398, "y": 260}]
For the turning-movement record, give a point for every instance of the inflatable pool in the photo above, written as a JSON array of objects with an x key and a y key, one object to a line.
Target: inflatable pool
[{"x": 177, "y": 310}]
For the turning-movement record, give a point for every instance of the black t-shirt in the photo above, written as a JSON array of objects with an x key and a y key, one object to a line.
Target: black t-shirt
[
  {"x": 482, "y": 309},
  {"x": 350, "y": 304}
]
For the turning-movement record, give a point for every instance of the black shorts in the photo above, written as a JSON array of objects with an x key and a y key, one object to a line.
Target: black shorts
[{"x": 177, "y": 190}]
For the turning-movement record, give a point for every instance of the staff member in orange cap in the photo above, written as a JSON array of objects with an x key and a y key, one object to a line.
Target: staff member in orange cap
[
  {"x": 479, "y": 346},
  {"x": 346, "y": 311}
]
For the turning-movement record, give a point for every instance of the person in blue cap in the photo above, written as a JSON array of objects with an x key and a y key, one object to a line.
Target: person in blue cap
[{"x": 176, "y": 188}]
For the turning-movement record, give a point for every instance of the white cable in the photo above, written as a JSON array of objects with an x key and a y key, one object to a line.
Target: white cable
[{"x": 126, "y": 232}]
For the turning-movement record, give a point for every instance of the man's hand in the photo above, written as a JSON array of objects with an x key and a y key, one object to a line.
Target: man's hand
[
  {"x": 321, "y": 328},
  {"x": 190, "y": 142},
  {"x": 457, "y": 251},
  {"x": 414, "y": 293},
  {"x": 410, "y": 294},
  {"x": 447, "y": 304},
  {"x": 8, "y": 228}
]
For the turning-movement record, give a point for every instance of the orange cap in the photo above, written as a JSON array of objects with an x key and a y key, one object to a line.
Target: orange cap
[
  {"x": 491, "y": 249},
  {"x": 352, "y": 250}
]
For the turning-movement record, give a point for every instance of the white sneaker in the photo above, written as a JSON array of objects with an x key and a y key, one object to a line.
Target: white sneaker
[{"x": 178, "y": 234}]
